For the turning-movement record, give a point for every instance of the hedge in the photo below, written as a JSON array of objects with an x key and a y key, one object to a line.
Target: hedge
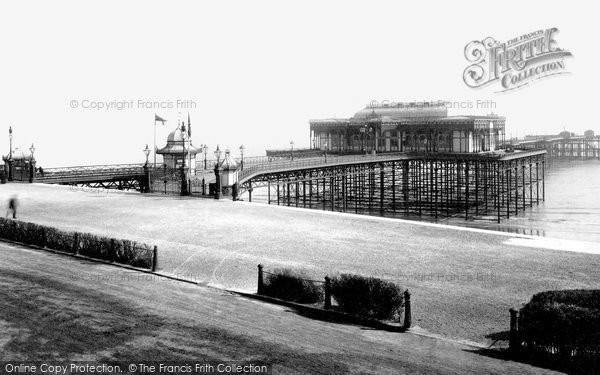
[
  {"x": 93, "y": 246},
  {"x": 563, "y": 324},
  {"x": 292, "y": 286},
  {"x": 368, "y": 297}
]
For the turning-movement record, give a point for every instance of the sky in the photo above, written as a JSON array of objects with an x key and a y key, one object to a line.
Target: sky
[{"x": 255, "y": 72}]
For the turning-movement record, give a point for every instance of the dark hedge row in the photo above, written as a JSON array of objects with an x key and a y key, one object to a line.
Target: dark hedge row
[
  {"x": 292, "y": 286},
  {"x": 563, "y": 324},
  {"x": 368, "y": 297},
  {"x": 93, "y": 246}
]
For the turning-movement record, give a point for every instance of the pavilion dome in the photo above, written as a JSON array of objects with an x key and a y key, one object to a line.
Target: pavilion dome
[
  {"x": 175, "y": 144},
  {"x": 175, "y": 135},
  {"x": 19, "y": 154},
  {"x": 402, "y": 111},
  {"x": 228, "y": 162}
]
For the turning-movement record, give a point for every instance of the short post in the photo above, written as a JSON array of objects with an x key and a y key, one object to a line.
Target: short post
[
  {"x": 260, "y": 280},
  {"x": 327, "y": 293},
  {"x": 146, "y": 187},
  {"x": 44, "y": 238},
  {"x": 218, "y": 190},
  {"x": 407, "y": 312},
  {"x": 513, "y": 338},
  {"x": 32, "y": 171},
  {"x": 154, "y": 258},
  {"x": 75, "y": 243}
]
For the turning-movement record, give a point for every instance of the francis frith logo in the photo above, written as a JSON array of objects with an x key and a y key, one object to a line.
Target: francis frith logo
[{"x": 515, "y": 63}]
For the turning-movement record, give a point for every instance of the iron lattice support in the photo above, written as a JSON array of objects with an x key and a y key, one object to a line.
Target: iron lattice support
[{"x": 434, "y": 186}]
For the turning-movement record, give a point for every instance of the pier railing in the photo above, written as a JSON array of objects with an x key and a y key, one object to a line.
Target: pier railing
[
  {"x": 314, "y": 162},
  {"x": 90, "y": 170}
]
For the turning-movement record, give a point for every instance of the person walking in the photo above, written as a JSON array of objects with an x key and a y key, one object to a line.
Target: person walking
[{"x": 12, "y": 206}]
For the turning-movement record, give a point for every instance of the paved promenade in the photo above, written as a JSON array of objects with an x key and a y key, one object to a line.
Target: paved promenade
[
  {"x": 57, "y": 309},
  {"x": 462, "y": 281}
]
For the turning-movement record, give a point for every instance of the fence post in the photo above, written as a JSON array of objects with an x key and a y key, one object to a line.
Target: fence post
[
  {"x": 260, "y": 280},
  {"x": 44, "y": 239},
  {"x": 407, "y": 312},
  {"x": 154, "y": 258},
  {"x": 75, "y": 243},
  {"x": 513, "y": 338},
  {"x": 327, "y": 293}
]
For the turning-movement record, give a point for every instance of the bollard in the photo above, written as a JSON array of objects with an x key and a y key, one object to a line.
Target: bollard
[
  {"x": 76, "y": 243},
  {"x": 260, "y": 280},
  {"x": 44, "y": 237},
  {"x": 327, "y": 293},
  {"x": 407, "y": 312},
  {"x": 154, "y": 258},
  {"x": 513, "y": 341}
]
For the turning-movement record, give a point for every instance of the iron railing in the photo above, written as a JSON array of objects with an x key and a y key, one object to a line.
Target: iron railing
[{"x": 314, "y": 162}]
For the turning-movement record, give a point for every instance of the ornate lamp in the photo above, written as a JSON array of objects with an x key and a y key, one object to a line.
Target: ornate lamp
[
  {"x": 218, "y": 192},
  {"x": 184, "y": 185},
  {"x": 218, "y": 153},
  {"x": 32, "y": 150},
  {"x": 242, "y": 153},
  {"x": 147, "y": 153},
  {"x": 204, "y": 149}
]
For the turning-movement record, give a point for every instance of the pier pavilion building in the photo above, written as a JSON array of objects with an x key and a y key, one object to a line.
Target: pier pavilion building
[{"x": 416, "y": 126}]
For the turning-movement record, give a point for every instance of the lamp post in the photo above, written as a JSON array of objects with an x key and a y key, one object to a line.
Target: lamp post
[
  {"x": 217, "y": 174},
  {"x": 325, "y": 145},
  {"x": 31, "y": 164},
  {"x": 184, "y": 187},
  {"x": 147, "y": 153},
  {"x": 242, "y": 153},
  {"x": 9, "y": 161},
  {"x": 10, "y": 142},
  {"x": 146, "y": 187},
  {"x": 292, "y": 149},
  {"x": 205, "y": 148}
]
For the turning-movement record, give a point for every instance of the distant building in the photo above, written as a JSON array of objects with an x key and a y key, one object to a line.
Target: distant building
[
  {"x": 588, "y": 134},
  {"x": 421, "y": 127}
]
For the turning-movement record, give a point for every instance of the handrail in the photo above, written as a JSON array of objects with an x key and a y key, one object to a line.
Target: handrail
[{"x": 312, "y": 162}]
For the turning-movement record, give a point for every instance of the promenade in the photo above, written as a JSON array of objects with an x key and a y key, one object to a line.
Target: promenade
[
  {"x": 57, "y": 309},
  {"x": 462, "y": 281}
]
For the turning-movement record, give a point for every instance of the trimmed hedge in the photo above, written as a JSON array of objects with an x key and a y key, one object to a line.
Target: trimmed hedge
[
  {"x": 98, "y": 247},
  {"x": 292, "y": 286},
  {"x": 368, "y": 297},
  {"x": 563, "y": 324}
]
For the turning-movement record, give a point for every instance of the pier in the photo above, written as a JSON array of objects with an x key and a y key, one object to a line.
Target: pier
[{"x": 490, "y": 186}]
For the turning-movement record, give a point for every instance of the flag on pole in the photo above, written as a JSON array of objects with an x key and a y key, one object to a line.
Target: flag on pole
[
  {"x": 189, "y": 126},
  {"x": 158, "y": 118}
]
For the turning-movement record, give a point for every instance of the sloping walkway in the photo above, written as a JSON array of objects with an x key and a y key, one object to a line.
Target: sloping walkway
[{"x": 57, "y": 308}]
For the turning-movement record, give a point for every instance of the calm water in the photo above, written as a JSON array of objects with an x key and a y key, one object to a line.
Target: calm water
[{"x": 571, "y": 210}]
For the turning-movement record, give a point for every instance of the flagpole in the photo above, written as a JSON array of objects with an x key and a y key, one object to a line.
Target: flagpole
[{"x": 155, "y": 140}]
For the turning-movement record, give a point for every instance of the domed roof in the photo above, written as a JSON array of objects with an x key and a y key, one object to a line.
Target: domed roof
[
  {"x": 175, "y": 135},
  {"x": 19, "y": 154},
  {"x": 401, "y": 111},
  {"x": 227, "y": 162},
  {"x": 175, "y": 144}
]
